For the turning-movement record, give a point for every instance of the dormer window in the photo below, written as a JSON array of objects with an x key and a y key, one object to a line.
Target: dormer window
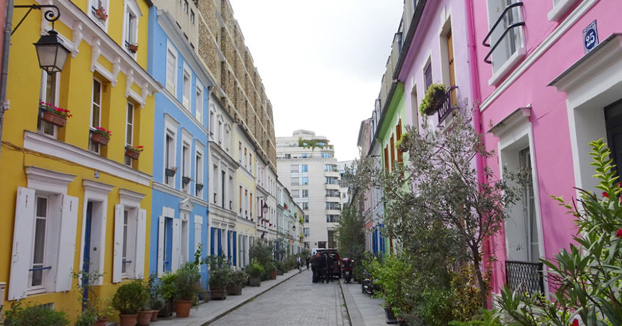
[{"x": 130, "y": 26}]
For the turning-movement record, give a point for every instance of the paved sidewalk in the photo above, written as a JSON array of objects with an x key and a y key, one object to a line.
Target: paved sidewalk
[
  {"x": 363, "y": 310},
  {"x": 209, "y": 312}
]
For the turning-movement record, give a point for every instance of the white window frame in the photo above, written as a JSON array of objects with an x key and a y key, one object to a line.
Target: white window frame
[
  {"x": 92, "y": 125},
  {"x": 199, "y": 164},
  {"x": 170, "y": 128},
  {"x": 501, "y": 71},
  {"x": 227, "y": 137},
  {"x": 186, "y": 163},
  {"x": 560, "y": 9},
  {"x": 129, "y": 142},
  {"x": 130, "y": 8},
  {"x": 136, "y": 236},
  {"x": 186, "y": 94},
  {"x": 43, "y": 97},
  {"x": 95, "y": 4},
  {"x": 198, "y": 106},
  {"x": 171, "y": 81}
]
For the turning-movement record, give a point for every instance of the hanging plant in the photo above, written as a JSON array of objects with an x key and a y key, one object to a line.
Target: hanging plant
[{"x": 435, "y": 97}]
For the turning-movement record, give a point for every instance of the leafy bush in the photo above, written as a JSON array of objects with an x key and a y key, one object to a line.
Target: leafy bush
[
  {"x": 167, "y": 285},
  {"x": 392, "y": 276},
  {"x": 486, "y": 318},
  {"x": 33, "y": 315},
  {"x": 130, "y": 298},
  {"x": 435, "y": 307},
  {"x": 280, "y": 267},
  {"x": 188, "y": 283},
  {"x": 219, "y": 271},
  {"x": 254, "y": 270},
  {"x": 238, "y": 277}
]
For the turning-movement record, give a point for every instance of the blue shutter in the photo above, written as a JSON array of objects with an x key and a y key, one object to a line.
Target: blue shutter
[
  {"x": 235, "y": 249},
  {"x": 229, "y": 247},
  {"x": 374, "y": 242},
  {"x": 211, "y": 247},
  {"x": 219, "y": 243}
]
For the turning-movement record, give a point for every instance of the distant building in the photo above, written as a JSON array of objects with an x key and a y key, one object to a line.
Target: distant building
[{"x": 307, "y": 167}]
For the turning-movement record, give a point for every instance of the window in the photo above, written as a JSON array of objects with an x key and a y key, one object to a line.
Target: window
[
  {"x": 327, "y": 155},
  {"x": 451, "y": 67},
  {"x": 305, "y": 155},
  {"x": 199, "y": 103},
  {"x": 96, "y": 108},
  {"x": 305, "y": 193},
  {"x": 124, "y": 255},
  {"x": 38, "y": 260},
  {"x": 330, "y": 180},
  {"x": 240, "y": 198},
  {"x": 306, "y": 218},
  {"x": 332, "y": 205},
  {"x": 129, "y": 130},
  {"x": 171, "y": 70},
  {"x": 304, "y": 181},
  {"x": 198, "y": 171},
  {"x": 185, "y": 167},
  {"x": 192, "y": 16},
  {"x": 169, "y": 157},
  {"x": 295, "y": 181},
  {"x": 240, "y": 152},
  {"x": 511, "y": 47},
  {"x": 427, "y": 75},
  {"x": 186, "y": 6},
  {"x": 245, "y": 157},
  {"x": 131, "y": 29},
  {"x": 130, "y": 228},
  {"x": 288, "y": 156},
  {"x": 304, "y": 168},
  {"x": 50, "y": 85},
  {"x": 294, "y": 168},
  {"x": 305, "y": 206},
  {"x": 220, "y": 122},
  {"x": 331, "y": 218},
  {"x": 186, "y": 88},
  {"x": 99, "y": 12},
  {"x": 250, "y": 162},
  {"x": 392, "y": 142},
  {"x": 211, "y": 121},
  {"x": 414, "y": 107},
  {"x": 305, "y": 232}
]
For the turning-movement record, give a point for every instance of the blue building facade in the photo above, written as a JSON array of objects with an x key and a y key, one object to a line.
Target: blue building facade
[{"x": 180, "y": 169}]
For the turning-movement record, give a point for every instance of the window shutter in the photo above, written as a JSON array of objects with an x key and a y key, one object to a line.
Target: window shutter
[
  {"x": 161, "y": 245},
  {"x": 219, "y": 242},
  {"x": 212, "y": 244},
  {"x": 117, "y": 259},
  {"x": 67, "y": 243},
  {"x": 197, "y": 232},
  {"x": 23, "y": 232},
  {"x": 235, "y": 249},
  {"x": 176, "y": 245},
  {"x": 139, "y": 258}
]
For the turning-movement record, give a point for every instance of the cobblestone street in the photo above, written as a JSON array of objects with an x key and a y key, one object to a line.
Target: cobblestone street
[{"x": 296, "y": 301}]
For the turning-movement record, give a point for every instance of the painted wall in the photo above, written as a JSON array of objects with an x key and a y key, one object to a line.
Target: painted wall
[{"x": 546, "y": 58}]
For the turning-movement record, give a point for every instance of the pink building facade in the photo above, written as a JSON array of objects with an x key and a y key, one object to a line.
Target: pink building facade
[{"x": 548, "y": 91}]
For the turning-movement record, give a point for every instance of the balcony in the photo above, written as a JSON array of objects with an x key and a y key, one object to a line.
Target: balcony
[
  {"x": 448, "y": 106},
  {"x": 524, "y": 277},
  {"x": 507, "y": 17}
]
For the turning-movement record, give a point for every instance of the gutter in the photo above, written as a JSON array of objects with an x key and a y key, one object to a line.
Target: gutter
[{"x": 5, "y": 63}]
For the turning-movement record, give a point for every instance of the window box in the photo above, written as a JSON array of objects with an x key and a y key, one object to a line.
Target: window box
[
  {"x": 100, "y": 13},
  {"x": 100, "y": 136},
  {"x": 133, "y": 152},
  {"x": 199, "y": 187},
  {"x": 170, "y": 172},
  {"x": 435, "y": 98},
  {"x": 132, "y": 47},
  {"x": 54, "y": 119},
  {"x": 186, "y": 180}
]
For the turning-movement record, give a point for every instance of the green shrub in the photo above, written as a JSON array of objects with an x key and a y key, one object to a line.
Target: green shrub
[
  {"x": 254, "y": 270},
  {"x": 435, "y": 307},
  {"x": 167, "y": 285},
  {"x": 188, "y": 283},
  {"x": 34, "y": 315},
  {"x": 130, "y": 298},
  {"x": 238, "y": 277},
  {"x": 486, "y": 318}
]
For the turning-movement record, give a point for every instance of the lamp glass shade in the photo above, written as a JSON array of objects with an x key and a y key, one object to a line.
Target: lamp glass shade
[
  {"x": 265, "y": 208},
  {"x": 51, "y": 52},
  {"x": 294, "y": 227}
]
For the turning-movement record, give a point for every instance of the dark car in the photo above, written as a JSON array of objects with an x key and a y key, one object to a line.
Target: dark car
[{"x": 335, "y": 257}]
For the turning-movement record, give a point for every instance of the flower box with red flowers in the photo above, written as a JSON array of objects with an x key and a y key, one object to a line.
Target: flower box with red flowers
[
  {"x": 100, "y": 135},
  {"x": 133, "y": 152},
  {"x": 100, "y": 13},
  {"x": 54, "y": 115}
]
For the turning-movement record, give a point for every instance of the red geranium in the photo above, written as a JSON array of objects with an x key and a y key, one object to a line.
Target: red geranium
[
  {"x": 619, "y": 234},
  {"x": 605, "y": 194}
]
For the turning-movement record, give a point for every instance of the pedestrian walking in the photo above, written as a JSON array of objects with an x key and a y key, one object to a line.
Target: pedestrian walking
[
  {"x": 330, "y": 266},
  {"x": 308, "y": 259},
  {"x": 324, "y": 267}
]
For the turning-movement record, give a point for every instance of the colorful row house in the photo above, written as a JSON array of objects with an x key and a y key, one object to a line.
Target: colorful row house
[
  {"x": 77, "y": 180},
  {"x": 544, "y": 79}
]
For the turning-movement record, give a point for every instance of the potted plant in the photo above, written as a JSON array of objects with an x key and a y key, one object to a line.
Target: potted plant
[
  {"x": 155, "y": 296},
  {"x": 167, "y": 291},
  {"x": 271, "y": 269},
  {"x": 219, "y": 277},
  {"x": 187, "y": 286},
  {"x": 96, "y": 310},
  {"x": 128, "y": 300},
  {"x": 255, "y": 271},
  {"x": 100, "y": 135},
  {"x": 54, "y": 115},
  {"x": 236, "y": 281},
  {"x": 100, "y": 13},
  {"x": 280, "y": 268},
  {"x": 170, "y": 172},
  {"x": 144, "y": 314},
  {"x": 33, "y": 315},
  {"x": 199, "y": 186},
  {"x": 402, "y": 143},
  {"x": 133, "y": 152},
  {"x": 435, "y": 97},
  {"x": 133, "y": 47}
]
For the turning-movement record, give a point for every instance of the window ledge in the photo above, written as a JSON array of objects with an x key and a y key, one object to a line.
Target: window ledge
[
  {"x": 510, "y": 64},
  {"x": 560, "y": 9}
]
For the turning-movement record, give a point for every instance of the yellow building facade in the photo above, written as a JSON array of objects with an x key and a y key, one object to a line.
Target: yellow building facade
[{"x": 70, "y": 202}]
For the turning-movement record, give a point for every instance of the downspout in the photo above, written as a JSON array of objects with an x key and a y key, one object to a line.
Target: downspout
[
  {"x": 476, "y": 96},
  {"x": 5, "y": 63}
]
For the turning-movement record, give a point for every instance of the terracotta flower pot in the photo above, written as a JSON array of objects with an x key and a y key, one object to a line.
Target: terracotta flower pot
[
  {"x": 100, "y": 139},
  {"x": 154, "y": 315},
  {"x": 54, "y": 119},
  {"x": 182, "y": 308},
  {"x": 218, "y": 292},
  {"x": 133, "y": 48},
  {"x": 127, "y": 320},
  {"x": 273, "y": 275},
  {"x": 144, "y": 317},
  {"x": 101, "y": 322},
  {"x": 132, "y": 154}
]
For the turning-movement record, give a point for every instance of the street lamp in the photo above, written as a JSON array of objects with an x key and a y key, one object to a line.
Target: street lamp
[
  {"x": 294, "y": 227},
  {"x": 265, "y": 208},
  {"x": 51, "y": 53}
]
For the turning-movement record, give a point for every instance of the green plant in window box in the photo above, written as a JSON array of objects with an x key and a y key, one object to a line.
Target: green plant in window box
[
  {"x": 133, "y": 152},
  {"x": 435, "y": 97}
]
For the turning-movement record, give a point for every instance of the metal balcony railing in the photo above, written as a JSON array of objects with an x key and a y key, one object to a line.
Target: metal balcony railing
[
  {"x": 507, "y": 16},
  {"x": 524, "y": 276},
  {"x": 447, "y": 107}
]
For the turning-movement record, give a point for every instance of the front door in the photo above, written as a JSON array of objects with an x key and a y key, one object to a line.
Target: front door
[
  {"x": 87, "y": 254},
  {"x": 613, "y": 122}
]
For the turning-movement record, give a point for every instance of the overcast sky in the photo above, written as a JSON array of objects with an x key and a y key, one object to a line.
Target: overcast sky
[{"x": 321, "y": 61}]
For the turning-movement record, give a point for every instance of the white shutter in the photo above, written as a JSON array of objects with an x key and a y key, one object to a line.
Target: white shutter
[
  {"x": 117, "y": 258},
  {"x": 139, "y": 258},
  {"x": 67, "y": 243},
  {"x": 197, "y": 232},
  {"x": 161, "y": 246},
  {"x": 22, "y": 243},
  {"x": 176, "y": 245}
]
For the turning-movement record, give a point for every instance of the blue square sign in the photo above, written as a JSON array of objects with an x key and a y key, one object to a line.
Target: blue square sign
[{"x": 590, "y": 37}]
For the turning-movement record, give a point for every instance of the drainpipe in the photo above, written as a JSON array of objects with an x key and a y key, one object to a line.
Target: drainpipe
[
  {"x": 476, "y": 96},
  {"x": 5, "y": 63}
]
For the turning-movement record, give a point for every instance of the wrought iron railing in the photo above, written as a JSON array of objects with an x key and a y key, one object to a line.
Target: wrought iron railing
[
  {"x": 524, "y": 276},
  {"x": 510, "y": 27},
  {"x": 447, "y": 107}
]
